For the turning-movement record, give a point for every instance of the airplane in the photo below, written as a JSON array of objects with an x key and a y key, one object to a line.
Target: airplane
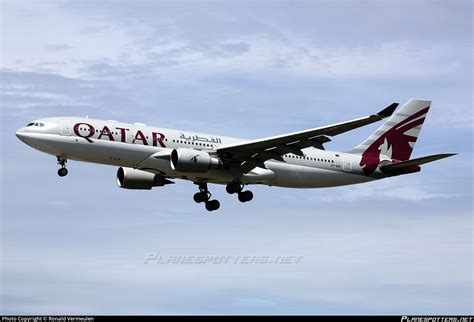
[{"x": 150, "y": 157}]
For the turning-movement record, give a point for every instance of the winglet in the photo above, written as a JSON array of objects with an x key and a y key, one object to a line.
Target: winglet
[{"x": 386, "y": 112}]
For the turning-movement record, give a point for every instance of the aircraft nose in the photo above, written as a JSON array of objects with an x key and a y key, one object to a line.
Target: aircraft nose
[{"x": 21, "y": 134}]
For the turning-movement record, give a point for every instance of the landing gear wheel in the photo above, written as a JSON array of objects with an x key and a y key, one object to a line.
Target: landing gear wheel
[
  {"x": 233, "y": 187},
  {"x": 248, "y": 195},
  {"x": 201, "y": 196},
  {"x": 204, "y": 196},
  {"x": 212, "y": 205},
  {"x": 62, "y": 172},
  {"x": 197, "y": 197},
  {"x": 62, "y": 162},
  {"x": 245, "y": 196}
]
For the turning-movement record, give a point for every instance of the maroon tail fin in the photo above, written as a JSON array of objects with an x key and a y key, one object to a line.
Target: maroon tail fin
[{"x": 395, "y": 139}]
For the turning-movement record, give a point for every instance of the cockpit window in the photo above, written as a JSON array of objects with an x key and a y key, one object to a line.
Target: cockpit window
[{"x": 36, "y": 124}]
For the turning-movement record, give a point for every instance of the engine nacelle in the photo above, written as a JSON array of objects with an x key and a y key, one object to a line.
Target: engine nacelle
[
  {"x": 190, "y": 160},
  {"x": 129, "y": 178}
]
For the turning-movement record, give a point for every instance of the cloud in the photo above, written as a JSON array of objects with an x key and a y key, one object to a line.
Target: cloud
[
  {"x": 458, "y": 117},
  {"x": 57, "y": 47},
  {"x": 338, "y": 268},
  {"x": 117, "y": 49},
  {"x": 386, "y": 190},
  {"x": 31, "y": 26}
]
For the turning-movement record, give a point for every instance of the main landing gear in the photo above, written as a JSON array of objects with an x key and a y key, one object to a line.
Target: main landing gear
[
  {"x": 234, "y": 187},
  {"x": 237, "y": 187},
  {"x": 204, "y": 196},
  {"x": 62, "y": 162}
]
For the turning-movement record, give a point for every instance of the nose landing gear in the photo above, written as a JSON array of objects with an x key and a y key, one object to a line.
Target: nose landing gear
[{"x": 62, "y": 162}]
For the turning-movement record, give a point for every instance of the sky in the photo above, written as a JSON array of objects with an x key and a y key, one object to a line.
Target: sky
[{"x": 78, "y": 245}]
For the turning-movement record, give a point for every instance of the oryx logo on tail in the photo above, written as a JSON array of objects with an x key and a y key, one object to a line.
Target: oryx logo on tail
[{"x": 395, "y": 139}]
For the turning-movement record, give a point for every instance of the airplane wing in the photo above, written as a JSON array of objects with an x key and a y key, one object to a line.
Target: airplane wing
[{"x": 254, "y": 153}]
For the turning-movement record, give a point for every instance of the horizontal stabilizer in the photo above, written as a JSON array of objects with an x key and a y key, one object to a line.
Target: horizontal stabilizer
[{"x": 414, "y": 162}]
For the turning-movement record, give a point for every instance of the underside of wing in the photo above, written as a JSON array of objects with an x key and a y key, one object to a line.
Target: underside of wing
[{"x": 253, "y": 153}]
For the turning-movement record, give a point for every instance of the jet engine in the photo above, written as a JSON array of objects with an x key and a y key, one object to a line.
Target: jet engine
[
  {"x": 190, "y": 160},
  {"x": 129, "y": 178}
]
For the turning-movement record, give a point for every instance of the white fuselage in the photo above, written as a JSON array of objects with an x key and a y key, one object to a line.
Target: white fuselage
[{"x": 139, "y": 146}]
